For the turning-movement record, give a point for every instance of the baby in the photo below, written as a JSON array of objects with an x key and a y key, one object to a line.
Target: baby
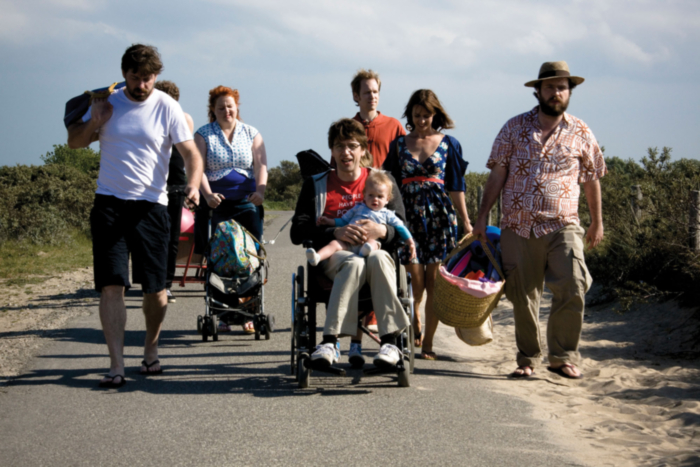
[{"x": 376, "y": 193}]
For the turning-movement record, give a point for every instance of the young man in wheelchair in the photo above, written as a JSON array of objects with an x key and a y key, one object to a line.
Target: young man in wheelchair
[{"x": 331, "y": 194}]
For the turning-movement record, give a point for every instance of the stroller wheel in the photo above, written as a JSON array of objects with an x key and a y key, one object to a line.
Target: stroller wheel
[
  {"x": 199, "y": 324},
  {"x": 270, "y": 322}
]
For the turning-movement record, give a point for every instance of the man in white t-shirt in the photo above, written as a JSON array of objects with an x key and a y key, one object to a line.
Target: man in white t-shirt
[{"x": 136, "y": 127}]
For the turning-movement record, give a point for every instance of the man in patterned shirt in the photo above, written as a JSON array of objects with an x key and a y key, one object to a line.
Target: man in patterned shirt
[{"x": 539, "y": 159}]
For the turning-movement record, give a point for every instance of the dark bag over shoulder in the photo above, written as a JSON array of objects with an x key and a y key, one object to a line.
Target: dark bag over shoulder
[{"x": 79, "y": 105}]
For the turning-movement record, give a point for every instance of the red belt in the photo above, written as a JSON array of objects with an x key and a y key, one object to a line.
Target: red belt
[{"x": 422, "y": 179}]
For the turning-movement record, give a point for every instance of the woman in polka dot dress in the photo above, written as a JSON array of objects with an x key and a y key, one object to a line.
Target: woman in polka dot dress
[{"x": 235, "y": 170}]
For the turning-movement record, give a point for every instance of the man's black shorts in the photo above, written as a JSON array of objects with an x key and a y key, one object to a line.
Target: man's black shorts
[{"x": 120, "y": 227}]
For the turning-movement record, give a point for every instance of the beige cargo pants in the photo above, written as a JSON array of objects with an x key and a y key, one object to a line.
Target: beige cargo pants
[
  {"x": 557, "y": 260},
  {"x": 349, "y": 272}
]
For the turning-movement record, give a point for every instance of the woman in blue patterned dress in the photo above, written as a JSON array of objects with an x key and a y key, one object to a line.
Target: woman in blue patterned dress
[
  {"x": 235, "y": 170},
  {"x": 428, "y": 166}
]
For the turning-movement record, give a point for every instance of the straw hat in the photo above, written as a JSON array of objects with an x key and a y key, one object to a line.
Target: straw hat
[{"x": 553, "y": 70}]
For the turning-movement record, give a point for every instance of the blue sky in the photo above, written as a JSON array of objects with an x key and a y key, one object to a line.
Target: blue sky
[{"x": 292, "y": 62}]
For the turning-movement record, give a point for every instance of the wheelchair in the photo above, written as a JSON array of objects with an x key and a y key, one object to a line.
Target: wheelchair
[{"x": 306, "y": 297}]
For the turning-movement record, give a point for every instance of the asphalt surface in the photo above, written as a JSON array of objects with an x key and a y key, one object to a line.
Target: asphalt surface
[{"x": 233, "y": 402}]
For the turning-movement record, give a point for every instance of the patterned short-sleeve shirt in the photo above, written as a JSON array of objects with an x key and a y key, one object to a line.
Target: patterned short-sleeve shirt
[
  {"x": 224, "y": 156},
  {"x": 542, "y": 188}
]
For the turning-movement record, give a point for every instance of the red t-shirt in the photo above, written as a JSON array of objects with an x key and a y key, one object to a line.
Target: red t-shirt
[{"x": 342, "y": 196}]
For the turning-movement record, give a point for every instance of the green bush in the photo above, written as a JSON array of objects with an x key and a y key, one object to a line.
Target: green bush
[
  {"x": 283, "y": 186},
  {"x": 649, "y": 257},
  {"x": 44, "y": 204},
  {"x": 86, "y": 160}
]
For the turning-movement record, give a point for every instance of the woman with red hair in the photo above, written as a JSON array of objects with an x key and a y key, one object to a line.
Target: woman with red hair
[{"x": 235, "y": 169}]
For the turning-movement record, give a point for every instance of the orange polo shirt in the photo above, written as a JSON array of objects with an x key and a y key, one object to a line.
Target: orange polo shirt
[{"x": 380, "y": 133}]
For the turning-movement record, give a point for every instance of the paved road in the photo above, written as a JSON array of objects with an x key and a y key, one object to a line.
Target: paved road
[{"x": 233, "y": 402}]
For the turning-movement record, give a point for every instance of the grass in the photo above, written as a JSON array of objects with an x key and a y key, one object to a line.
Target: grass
[
  {"x": 23, "y": 263},
  {"x": 278, "y": 205}
]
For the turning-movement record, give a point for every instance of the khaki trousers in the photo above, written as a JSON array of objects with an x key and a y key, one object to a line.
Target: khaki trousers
[
  {"x": 557, "y": 260},
  {"x": 349, "y": 273}
]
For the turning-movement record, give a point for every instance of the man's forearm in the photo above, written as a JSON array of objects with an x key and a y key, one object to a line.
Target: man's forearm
[
  {"x": 193, "y": 163},
  {"x": 593, "y": 197},
  {"x": 80, "y": 135}
]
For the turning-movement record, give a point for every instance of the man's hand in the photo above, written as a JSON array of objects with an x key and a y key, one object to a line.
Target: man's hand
[
  {"x": 594, "y": 235},
  {"x": 192, "y": 197},
  {"x": 479, "y": 230},
  {"x": 101, "y": 112},
  {"x": 214, "y": 200},
  {"x": 374, "y": 231},
  {"x": 351, "y": 233}
]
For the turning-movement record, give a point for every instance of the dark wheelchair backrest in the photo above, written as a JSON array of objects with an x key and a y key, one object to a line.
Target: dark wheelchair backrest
[{"x": 311, "y": 163}]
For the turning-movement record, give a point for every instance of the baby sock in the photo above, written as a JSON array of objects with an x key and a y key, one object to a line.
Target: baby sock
[
  {"x": 366, "y": 250},
  {"x": 312, "y": 257}
]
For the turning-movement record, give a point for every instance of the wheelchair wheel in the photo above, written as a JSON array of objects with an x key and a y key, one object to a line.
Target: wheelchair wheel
[
  {"x": 412, "y": 334},
  {"x": 296, "y": 312},
  {"x": 293, "y": 368},
  {"x": 304, "y": 375},
  {"x": 404, "y": 378},
  {"x": 411, "y": 348}
]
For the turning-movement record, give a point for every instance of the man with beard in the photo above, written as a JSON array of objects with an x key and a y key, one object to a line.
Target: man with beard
[
  {"x": 136, "y": 127},
  {"x": 539, "y": 159}
]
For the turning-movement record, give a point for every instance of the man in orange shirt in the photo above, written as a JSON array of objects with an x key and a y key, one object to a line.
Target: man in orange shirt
[{"x": 381, "y": 131}]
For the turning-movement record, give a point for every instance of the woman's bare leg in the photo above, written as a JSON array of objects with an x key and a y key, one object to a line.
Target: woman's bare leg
[
  {"x": 417, "y": 272},
  {"x": 431, "y": 319}
]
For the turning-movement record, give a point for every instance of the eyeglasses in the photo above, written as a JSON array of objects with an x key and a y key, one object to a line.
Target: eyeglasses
[{"x": 342, "y": 147}]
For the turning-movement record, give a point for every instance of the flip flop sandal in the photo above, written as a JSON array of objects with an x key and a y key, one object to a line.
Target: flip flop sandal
[
  {"x": 111, "y": 384},
  {"x": 148, "y": 366},
  {"x": 560, "y": 371},
  {"x": 223, "y": 327},
  {"x": 523, "y": 374},
  {"x": 428, "y": 355},
  {"x": 250, "y": 330}
]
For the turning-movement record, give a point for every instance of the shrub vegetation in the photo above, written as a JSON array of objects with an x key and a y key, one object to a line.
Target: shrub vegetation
[{"x": 642, "y": 258}]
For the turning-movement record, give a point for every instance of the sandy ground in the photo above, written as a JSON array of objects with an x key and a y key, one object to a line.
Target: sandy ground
[
  {"x": 637, "y": 405},
  {"x": 31, "y": 312}
]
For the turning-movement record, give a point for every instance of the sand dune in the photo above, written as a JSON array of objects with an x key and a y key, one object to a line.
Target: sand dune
[{"x": 639, "y": 402}]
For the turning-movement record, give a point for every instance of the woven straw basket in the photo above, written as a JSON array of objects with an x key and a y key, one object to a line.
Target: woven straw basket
[{"x": 457, "y": 308}]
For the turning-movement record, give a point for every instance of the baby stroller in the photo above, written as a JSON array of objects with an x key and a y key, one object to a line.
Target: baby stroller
[{"x": 235, "y": 298}]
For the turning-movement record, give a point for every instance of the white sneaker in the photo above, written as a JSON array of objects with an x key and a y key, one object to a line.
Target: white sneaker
[
  {"x": 327, "y": 353},
  {"x": 389, "y": 355},
  {"x": 312, "y": 257},
  {"x": 171, "y": 297},
  {"x": 355, "y": 355}
]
